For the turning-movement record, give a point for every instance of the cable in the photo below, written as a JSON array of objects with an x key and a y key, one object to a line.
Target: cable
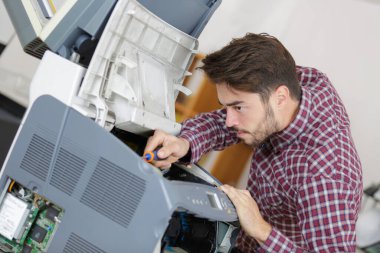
[{"x": 11, "y": 186}]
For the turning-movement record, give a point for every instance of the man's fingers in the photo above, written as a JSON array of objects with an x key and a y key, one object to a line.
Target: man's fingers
[
  {"x": 164, "y": 152},
  {"x": 154, "y": 141},
  {"x": 169, "y": 144},
  {"x": 166, "y": 163},
  {"x": 238, "y": 197},
  {"x": 245, "y": 193},
  {"x": 230, "y": 191},
  {"x": 170, "y": 149}
]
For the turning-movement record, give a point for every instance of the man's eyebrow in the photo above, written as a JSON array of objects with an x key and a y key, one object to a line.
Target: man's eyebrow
[{"x": 232, "y": 103}]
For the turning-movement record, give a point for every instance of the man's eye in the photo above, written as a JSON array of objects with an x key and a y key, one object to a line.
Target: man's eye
[{"x": 238, "y": 108}]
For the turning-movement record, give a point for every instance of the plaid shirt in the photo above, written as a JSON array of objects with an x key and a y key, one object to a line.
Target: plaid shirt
[{"x": 306, "y": 179}]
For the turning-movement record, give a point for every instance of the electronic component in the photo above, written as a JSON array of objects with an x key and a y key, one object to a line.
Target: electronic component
[
  {"x": 51, "y": 213},
  {"x": 13, "y": 213},
  {"x": 26, "y": 249},
  {"x": 38, "y": 234},
  {"x": 6, "y": 247},
  {"x": 27, "y": 218}
]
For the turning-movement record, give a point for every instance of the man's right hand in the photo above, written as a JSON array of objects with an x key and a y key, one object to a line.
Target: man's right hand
[{"x": 171, "y": 148}]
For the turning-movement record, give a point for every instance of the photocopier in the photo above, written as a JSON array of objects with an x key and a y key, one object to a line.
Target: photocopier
[{"x": 74, "y": 179}]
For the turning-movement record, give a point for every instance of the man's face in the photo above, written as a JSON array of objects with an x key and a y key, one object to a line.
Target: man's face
[{"x": 246, "y": 112}]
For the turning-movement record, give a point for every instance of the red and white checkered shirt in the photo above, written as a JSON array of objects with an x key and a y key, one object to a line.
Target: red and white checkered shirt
[{"x": 306, "y": 179}]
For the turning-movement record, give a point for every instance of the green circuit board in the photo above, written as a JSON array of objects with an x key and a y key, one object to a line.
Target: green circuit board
[{"x": 37, "y": 229}]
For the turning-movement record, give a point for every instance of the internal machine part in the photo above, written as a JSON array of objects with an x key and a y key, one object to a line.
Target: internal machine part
[
  {"x": 68, "y": 162},
  {"x": 28, "y": 221},
  {"x": 186, "y": 232}
]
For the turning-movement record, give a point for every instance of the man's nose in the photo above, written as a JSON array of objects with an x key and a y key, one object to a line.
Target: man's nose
[{"x": 231, "y": 119}]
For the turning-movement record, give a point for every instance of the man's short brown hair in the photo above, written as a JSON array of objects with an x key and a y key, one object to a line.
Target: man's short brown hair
[{"x": 256, "y": 63}]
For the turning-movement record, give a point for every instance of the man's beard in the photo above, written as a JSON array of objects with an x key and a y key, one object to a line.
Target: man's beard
[{"x": 266, "y": 128}]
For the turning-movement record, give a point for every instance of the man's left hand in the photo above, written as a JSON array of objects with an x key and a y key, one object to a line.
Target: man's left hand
[{"x": 248, "y": 212}]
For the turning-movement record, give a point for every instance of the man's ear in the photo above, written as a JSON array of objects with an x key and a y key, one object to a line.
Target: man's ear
[{"x": 282, "y": 96}]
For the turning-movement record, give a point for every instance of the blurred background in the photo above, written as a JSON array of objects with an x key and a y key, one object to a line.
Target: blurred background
[{"x": 340, "y": 38}]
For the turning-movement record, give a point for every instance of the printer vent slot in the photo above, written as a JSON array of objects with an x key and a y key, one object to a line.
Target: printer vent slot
[
  {"x": 78, "y": 244},
  {"x": 67, "y": 170},
  {"x": 38, "y": 157},
  {"x": 36, "y": 48},
  {"x": 114, "y": 192}
]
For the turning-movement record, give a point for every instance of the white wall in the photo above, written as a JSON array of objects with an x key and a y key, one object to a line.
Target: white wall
[
  {"x": 6, "y": 30},
  {"x": 13, "y": 58},
  {"x": 341, "y": 38},
  {"x": 16, "y": 67}
]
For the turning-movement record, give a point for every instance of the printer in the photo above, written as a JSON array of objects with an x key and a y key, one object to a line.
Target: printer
[{"x": 74, "y": 179}]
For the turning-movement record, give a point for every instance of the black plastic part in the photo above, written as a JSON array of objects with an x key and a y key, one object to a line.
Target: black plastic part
[
  {"x": 190, "y": 233},
  {"x": 51, "y": 212},
  {"x": 26, "y": 249},
  {"x": 177, "y": 173},
  {"x": 38, "y": 234},
  {"x": 2, "y": 47}
]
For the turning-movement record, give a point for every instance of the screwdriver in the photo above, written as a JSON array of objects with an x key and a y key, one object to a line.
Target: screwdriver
[{"x": 151, "y": 156}]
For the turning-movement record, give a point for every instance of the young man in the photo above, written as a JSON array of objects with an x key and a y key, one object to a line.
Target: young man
[{"x": 305, "y": 182}]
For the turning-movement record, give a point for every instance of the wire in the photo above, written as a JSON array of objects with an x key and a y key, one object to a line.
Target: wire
[
  {"x": 212, "y": 246},
  {"x": 11, "y": 186}
]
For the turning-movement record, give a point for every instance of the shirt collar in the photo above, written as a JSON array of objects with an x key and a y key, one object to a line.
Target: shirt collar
[{"x": 284, "y": 138}]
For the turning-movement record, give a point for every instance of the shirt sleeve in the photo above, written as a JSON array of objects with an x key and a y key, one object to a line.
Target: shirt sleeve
[
  {"x": 326, "y": 217},
  {"x": 207, "y": 132}
]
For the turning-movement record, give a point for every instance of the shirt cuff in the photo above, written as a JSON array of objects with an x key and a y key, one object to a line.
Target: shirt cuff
[
  {"x": 277, "y": 242},
  {"x": 194, "y": 154}
]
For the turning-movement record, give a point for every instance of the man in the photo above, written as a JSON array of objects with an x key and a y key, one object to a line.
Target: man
[{"x": 305, "y": 182}]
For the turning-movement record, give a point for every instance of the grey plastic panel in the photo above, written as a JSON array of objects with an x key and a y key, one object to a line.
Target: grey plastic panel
[
  {"x": 189, "y": 16},
  {"x": 20, "y": 21},
  {"x": 80, "y": 20},
  {"x": 116, "y": 198},
  {"x": 63, "y": 37}
]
